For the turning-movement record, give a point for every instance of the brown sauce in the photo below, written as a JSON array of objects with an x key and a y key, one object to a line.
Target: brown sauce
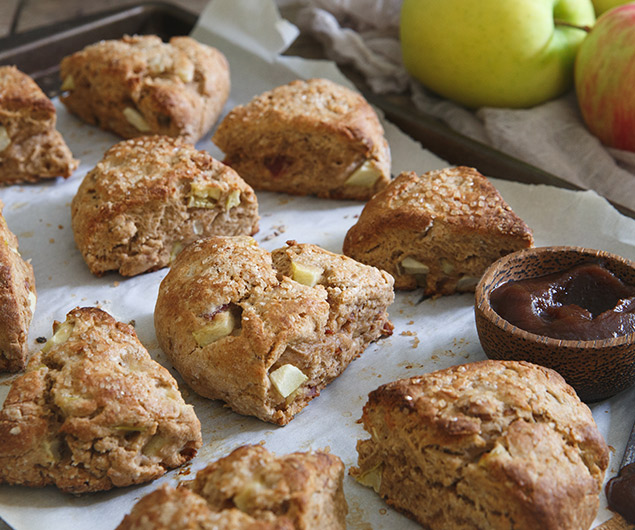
[
  {"x": 586, "y": 302},
  {"x": 620, "y": 493}
]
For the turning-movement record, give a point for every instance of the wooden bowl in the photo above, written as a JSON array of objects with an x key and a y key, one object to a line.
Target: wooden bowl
[{"x": 596, "y": 369}]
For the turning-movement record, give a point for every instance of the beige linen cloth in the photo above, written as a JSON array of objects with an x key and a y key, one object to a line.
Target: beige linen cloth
[{"x": 551, "y": 136}]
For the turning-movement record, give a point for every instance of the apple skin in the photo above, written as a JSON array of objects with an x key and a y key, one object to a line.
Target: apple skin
[
  {"x": 604, "y": 5},
  {"x": 498, "y": 53},
  {"x": 605, "y": 78}
]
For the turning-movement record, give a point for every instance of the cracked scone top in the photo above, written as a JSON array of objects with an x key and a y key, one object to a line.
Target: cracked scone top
[
  {"x": 266, "y": 332},
  {"x": 251, "y": 489},
  {"x": 94, "y": 411},
  {"x": 31, "y": 148},
  {"x": 438, "y": 231},
  {"x": 140, "y": 85},
  {"x": 486, "y": 445},
  {"x": 149, "y": 197},
  {"x": 17, "y": 301},
  {"x": 310, "y": 137}
]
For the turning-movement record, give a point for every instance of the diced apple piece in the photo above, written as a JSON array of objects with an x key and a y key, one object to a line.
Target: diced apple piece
[
  {"x": 287, "y": 379},
  {"x": 203, "y": 195},
  {"x": 372, "y": 478},
  {"x": 233, "y": 199},
  {"x": 365, "y": 175},
  {"x": 497, "y": 453},
  {"x": 154, "y": 446},
  {"x": 252, "y": 490},
  {"x": 446, "y": 266},
  {"x": 5, "y": 141},
  {"x": 51, "y": 451},
  {"x": 68, "y": 83},
  {"x": 412, "y": 266},
  {"x": 185, "y": 70},
  {"x": 176, "y": 248},
  {"x": 62, "y": 333},
  {"x": 221, "y": 325},
  {"x": 135, "y": 119},
  {"x": 32, "y": 301},
  {"x": 467, "y": 283},
  {"x": 157, "y": 64},
  {"x": 305, "y": 274}
]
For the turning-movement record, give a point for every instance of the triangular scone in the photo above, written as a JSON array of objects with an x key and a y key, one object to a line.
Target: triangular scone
[
  {"x": 149, "y": 197},
  {"x": 439, "y": 231},
  {"x": 94, "y": 411},
  {"x": 267, "y": 332},
  {"x": 251, "y": 489},
  {"x": 140, "y": 85},
  {"x": 307, "y": 138},
  {"x": 17, "y": 301},
  {"x": 31, "y": 148},
  {"x": 495, "y": 445}
]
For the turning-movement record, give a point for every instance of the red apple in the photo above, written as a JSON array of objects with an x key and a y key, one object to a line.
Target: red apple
[{"x": 605, "y": 78}]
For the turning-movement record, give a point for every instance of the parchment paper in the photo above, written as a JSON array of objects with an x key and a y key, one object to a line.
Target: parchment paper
[{"x": 428, "y": 336}]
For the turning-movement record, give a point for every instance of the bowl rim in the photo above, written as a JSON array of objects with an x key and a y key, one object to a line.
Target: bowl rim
[{"x": 482, "y": 299}]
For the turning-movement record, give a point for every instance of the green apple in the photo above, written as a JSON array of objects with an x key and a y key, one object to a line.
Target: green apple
[
  {"x": 605, "y": 78},
  {"x": 604, "y": 5},
  {"x": 499, "y": 53}
]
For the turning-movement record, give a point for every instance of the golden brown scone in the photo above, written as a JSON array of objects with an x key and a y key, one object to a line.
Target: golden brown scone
[
  {"x": 181, "y": 509},
  {"x": 439, "y": 231},
  {"x": 140, "y": 85},
  {"x": 31, "y": 148},
  {"x": 266, "y": 332},
  {"x": 17, "y": 301},
  {"x": 251, "y": 489},
  {"x": 490, "y": 445},
  {"x": 307, "y": 138},
  {"x": 94, "y": 411},
  {"x": 149, "y": 197}
]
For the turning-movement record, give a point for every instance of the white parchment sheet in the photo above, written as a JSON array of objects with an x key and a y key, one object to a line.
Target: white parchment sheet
[{"x": 430, "y": 335}]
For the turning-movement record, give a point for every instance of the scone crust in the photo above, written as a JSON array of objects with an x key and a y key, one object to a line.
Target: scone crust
[
  {"x": 139, "y": 206},
  {"x": 94, "y": 411},
  {"x": 318, "y": 329},
  {"x": 491, "y": 444},
  {"x": 252, "y": 489},
  {"x": 17, "y": 301},
  {"x": 36, "y": 150},
  {"x": 304, "y": 138},
  {"x": 452, "y": 220},
  {"x": 178, "y": 88}
]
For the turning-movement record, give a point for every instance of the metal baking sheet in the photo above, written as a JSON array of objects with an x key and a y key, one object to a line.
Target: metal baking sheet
[{"x": 428, "y": 336}]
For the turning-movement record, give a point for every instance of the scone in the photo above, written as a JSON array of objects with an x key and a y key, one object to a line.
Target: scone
[
  {"x": 17, "y": 301},
  {"x": 140, "y": 85},
  {"x": 149, "y": 197},
  {"x": 490, "y": 445},
  {"x": 439, "y": 231},
  {"x": 31, "y": 148},
  {"x": 94, "y": 411},
  {"x": 251, "y": 489},
  {"x": 267, "y": 332},
  {"x": 307, "y": 138}
]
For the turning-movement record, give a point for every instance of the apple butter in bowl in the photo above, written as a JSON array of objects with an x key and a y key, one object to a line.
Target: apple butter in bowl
[{"x": 568, "y": 308}]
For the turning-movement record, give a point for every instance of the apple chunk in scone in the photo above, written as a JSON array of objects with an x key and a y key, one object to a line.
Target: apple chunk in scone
[{"x": 266, "y": 332}]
